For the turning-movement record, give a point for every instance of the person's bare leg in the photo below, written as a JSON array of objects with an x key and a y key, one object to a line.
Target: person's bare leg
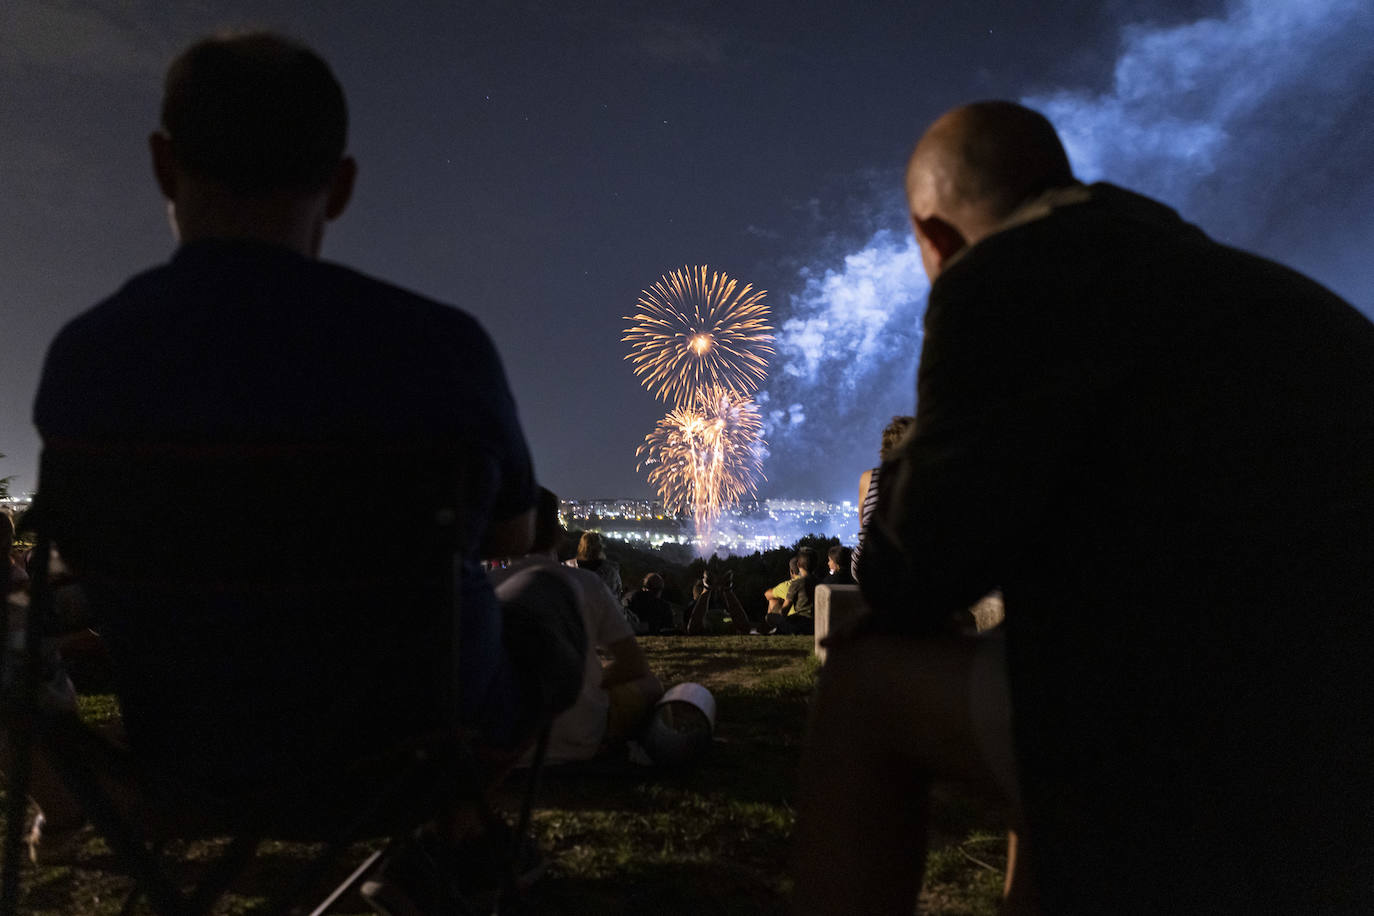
[
  {"x": 1019, "y": 894},
  {"x": 631, "y": 703},
  {"x": 1011, "y": 865},
  {"x": 890, "y": 715}
]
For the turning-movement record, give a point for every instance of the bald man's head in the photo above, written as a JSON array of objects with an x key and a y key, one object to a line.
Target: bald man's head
[{"x": 972, "y": 168}]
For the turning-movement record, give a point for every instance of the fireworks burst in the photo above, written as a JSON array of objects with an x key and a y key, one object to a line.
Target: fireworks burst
[
  {"x": 704, "y": 456},
  {"x": 697, "y": 330}
]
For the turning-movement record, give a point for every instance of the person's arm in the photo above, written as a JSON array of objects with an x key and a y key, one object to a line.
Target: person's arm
[
  {"x": 1008, "y": 386},
  {"x": 628, "y": 663},
  {"x": 738, "y": 618},
  {"x": 632, "y": 688},
  {"x": 864, "y": 479},
  {"x": 696, "y": 624},
  {"x": 790, "y": 601}
]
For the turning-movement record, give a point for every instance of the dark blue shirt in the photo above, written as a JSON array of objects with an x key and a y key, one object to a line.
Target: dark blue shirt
[{"x": 242, "y": 342}]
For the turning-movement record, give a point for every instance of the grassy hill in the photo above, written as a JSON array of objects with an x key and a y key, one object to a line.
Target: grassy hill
[{"x": 628, "y": 840}]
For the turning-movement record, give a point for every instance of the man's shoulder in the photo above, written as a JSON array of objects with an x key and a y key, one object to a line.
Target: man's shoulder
[
  {"x": 580, "y": 580},
  {"x": 375, "y": 287},
  {"x": 1140, "y": 250},
  {"x": 212, "y": 272},
  {"x": 222, "y": 337},
  {"x": 1094, "y": 219},
  {"x": 404, "y": 310},
  {"x": 584, "y": 578},
  {"x": 109, "y": 314}
]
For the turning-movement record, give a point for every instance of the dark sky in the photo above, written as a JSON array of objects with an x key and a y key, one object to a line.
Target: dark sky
[{"x": 539, "y": 166}]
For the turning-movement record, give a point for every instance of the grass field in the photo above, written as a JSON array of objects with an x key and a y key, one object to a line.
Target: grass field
[{"x": 621, "y": 839}]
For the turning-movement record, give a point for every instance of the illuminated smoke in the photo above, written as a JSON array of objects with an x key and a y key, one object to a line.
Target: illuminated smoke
[
  {"x": 1250, "y": 124},
  {"x": 1193, "y": 102}
]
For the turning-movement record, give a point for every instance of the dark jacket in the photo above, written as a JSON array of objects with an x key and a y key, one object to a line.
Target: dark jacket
[{"x": 1161, "y": 449}]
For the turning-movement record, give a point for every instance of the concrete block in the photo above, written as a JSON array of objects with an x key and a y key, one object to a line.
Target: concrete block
[
  {"x": 988, "y": 613},
  {"x": 835, "y": 604}
]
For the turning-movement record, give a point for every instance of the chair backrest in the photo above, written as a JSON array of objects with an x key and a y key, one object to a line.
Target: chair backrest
[{"x": 269, "y": 607}]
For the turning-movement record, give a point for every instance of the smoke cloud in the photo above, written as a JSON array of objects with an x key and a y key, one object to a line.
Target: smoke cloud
[
  {"x": 1219, "y": 101},
  {"x": 1253, "y": 124}
]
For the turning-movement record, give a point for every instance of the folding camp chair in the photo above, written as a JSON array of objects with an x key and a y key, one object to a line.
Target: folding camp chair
[{"x": 163, "y": 533}]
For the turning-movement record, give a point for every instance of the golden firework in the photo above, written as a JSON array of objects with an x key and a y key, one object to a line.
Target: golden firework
[
  {"x": 698, "y": 329},
  {"x": 705, "y": 456}
]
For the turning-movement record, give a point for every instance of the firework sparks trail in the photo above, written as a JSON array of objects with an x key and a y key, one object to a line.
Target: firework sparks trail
[
  {"x": 698, "y": 330},
  {"x": 704, "y": 457}
]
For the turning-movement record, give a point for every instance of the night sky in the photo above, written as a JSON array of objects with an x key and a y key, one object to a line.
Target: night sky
[{"x": 538, "y": 165}]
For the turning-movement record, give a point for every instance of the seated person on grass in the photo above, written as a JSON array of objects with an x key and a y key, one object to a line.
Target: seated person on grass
[
  {"x": 246, "y": 340},
  {"x": 591, "y": 556},
  {"x": 776, "y": 595},
  {"x": 716, "y": 609},
  {"x": 648, "y": 605},
  {"x": 838, "y": 561},
  {"x": 796, "y": 616},
  {"x": 616, "y": 697},
  {"x": 1162, "y": 450}
]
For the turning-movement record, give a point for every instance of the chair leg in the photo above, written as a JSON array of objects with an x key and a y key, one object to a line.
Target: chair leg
[
  {"x": 508, "y": 891},
  {"x": 350, "y": 882}
]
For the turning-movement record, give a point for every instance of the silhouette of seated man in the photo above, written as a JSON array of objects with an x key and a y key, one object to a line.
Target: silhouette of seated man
[
  {"x": 716, "y": 609},
  {"x": 650, "y": 607},
  {"x": 1161, "y": 449},
  {"x": 247, "y": 339}
]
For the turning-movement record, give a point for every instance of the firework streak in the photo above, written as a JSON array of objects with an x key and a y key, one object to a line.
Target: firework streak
[
  {"x": 697, "y": 330},
  {"x": 704, "y": 457},
  {"x": 702, "y": 344}
]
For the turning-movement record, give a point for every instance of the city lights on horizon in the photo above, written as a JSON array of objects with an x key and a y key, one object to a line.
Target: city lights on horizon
[{"x": 754, "y": 525}]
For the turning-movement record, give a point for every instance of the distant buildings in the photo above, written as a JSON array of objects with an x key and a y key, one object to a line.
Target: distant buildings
[
  {"x": 755, "y": 525},
  {"x": 16, "y": 504}
]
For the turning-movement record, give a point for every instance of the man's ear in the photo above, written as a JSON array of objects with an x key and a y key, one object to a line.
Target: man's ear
[
  {"x": 164, "y": 164},
  {"x": 944, "y": 239},
  {"x": 341, "y": 188}
]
